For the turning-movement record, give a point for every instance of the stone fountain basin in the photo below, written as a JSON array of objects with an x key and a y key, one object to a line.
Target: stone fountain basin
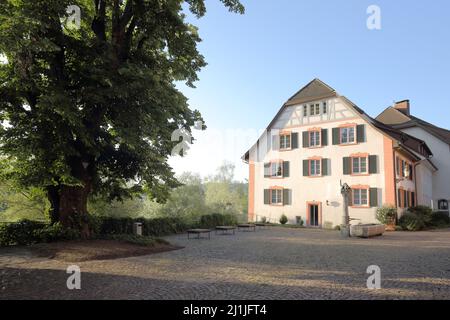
[{"x": 367, "y": 230}]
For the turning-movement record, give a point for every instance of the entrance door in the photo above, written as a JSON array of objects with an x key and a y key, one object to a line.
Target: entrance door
[{"x": 314, "y": 215}]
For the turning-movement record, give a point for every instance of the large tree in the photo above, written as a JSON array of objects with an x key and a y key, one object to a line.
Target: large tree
[{"x": 92, "y": 109}]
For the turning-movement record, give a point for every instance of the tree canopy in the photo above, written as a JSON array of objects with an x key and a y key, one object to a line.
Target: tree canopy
[{"x": 91, "y": 110}]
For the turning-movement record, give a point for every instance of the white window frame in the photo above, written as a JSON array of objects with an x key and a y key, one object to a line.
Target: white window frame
[
  {"x": 359, "y": 162},
  {"x": 276, "y": 169},
  {"x": 357, "y": 198},
  {"x": 315, "y": 138},
  {"x": 315, "y": 167},
  {"x": 278, "y": 197},
  {"x": 285, "y": 141},
  {"x": 345, "y": 133}
]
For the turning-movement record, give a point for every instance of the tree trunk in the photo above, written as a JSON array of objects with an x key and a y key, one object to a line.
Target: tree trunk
[
  {"x": 54, "y": 199},
  {"x": 69, "y": 203},
  {"x": 73, "y": 208}
]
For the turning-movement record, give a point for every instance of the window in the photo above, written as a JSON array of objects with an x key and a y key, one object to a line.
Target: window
[
  {"x": 317, "y": 108},
  {"x": 443, "y": 205},
  {"x": 312, "y": 110},
  {"x": 347, "y": 135},
  {"x": 276, "y": 196},
  {"x": 314, "y": 168},
  {"x": 360, "y": 197},
  {"x": 305, "y": 110},
  {"x": 359, "y": 165},
  {"x": 276, "y": 169},
  {"x": 314, "y": 139},
  {"x": 285, "y": 141},
  {"x": 324, "y": 108}
]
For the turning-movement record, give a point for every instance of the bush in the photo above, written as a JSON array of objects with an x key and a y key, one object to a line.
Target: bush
[
  {"x": 440, "y": 219},
  {"x": 216, "y": 219},
  {"x": 386, "y": 214},
  {"x": 423, "y": 213},
  {"x": 411, "y": 222},
  {"x": 283, "y": 219},
  {"x": 28, "y": 232},
  {"x": 135, "y": 239},
  {"x": 19, "y": 233},
  {"x": 150, "y": 227}
]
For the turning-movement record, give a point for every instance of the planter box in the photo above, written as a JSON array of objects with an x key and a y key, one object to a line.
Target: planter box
[{"x": 367, "y": 230}]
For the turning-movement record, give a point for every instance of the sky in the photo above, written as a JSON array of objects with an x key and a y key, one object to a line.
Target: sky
[{"x": 256, "y": 61}]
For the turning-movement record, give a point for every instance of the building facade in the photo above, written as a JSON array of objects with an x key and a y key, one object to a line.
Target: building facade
[{"x": 319, "y": 140}]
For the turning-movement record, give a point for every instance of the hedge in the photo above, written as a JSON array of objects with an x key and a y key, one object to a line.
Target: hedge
[{"x": 28, "y": 232}]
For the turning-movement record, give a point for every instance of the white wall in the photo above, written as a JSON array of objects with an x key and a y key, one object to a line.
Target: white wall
[
  {"x": 321, "y": 189},
  {"x": 441, "y": 159}
]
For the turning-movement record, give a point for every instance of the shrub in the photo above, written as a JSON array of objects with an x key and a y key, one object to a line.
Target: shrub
[
  {"x": 28, "y": 232},
  {"x": 135, "y": 239},
  {"x": 263, "y": 220},
  {"x": 411, "y": 222},
  {"x": 283, "y": 219},
  {"x": 150, "y": 227},
  {"x": 19, "y": 233},
  {"x": 386, "y": 214},
  {"x": 423, "y": 212},
  {"x": 440, "y": 219},
  {"x": 216, "y": 219}
]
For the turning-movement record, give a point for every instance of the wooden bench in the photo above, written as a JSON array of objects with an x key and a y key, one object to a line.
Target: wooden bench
[
  {"x": 226, "y": 229},
  {"x": 262, "y": 225},
  {"x": 199, "y": 232},
  {"x": 247, "y": 226}
]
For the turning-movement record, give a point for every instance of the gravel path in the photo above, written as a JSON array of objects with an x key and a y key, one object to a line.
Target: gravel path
[{"x": 277, "y": 263}]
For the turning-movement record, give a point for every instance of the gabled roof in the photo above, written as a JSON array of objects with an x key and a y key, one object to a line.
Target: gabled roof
[
  {"x": 399, "y": 120},
  {"x": 316, "y": 89}
]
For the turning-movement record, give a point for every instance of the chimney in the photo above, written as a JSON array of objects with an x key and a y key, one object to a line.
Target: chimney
[{"x": 403, "y": 106}]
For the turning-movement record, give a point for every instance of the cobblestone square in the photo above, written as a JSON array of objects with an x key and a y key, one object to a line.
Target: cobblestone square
[{"x": 278, "y": 263}]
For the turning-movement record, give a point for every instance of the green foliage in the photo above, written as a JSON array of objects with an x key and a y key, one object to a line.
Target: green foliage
[
  {"x": 283, "y": 219},
  {"x": 150, "y": 227},
  {"x": 94, "y": 108},
  {"x": 19, "y": 204},
  {"x": 217, "y": 219},
  {"x": 27, "y": 232},
  {"x": 411, "y": 222},
  {"x": 440, "y": 219},
  {"x": 386, "y": 214},
  {"x": 423, "y": 212}
]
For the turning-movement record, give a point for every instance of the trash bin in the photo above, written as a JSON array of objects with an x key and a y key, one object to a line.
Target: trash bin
[{"x": 138, "y": 228}]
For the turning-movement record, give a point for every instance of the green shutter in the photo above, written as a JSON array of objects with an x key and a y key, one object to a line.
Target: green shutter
[
  {"x": 373, "y": 164},
  {"x": 347, "y": 165},
  {"x": 373, "y": 197},
  {"x": 286, "y": 197},
  {"x": 325, "y": 167},
  {"x": 324, "y": 137},
  {"x": 405, "y": 198},
  {"x": 266, "y": 196},
  {"x": 413, "y": 199},
  {"x": 305, "y": 168},
  {"x": 399, "y": 198},
  {"x": 294, "y": 138},
  {"x": 336, "y": 136},
  {"x": 285, "y": 169},
  {"x": 266, "y": 170},
  {"x": 361, "y": 133},
  {"x": 305, "y": 136}
]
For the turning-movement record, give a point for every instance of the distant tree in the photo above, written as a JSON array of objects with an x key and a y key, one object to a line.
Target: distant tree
[{"x": 91, "y": 110}]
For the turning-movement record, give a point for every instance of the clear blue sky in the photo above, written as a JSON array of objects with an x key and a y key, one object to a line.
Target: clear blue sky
[{"x": 256, "y": 61}]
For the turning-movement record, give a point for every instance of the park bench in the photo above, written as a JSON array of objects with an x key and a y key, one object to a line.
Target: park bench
[
  {"x": 225, "y": 229},
  {"x": 247, "y": 226},
  {"x": 199, "y": 232}
]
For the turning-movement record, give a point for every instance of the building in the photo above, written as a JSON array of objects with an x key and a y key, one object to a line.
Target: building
[{"x": 320, "y": 139}]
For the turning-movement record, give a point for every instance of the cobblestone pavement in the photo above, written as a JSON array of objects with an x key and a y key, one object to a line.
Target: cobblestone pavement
[{"x": 268, "y": 264}]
